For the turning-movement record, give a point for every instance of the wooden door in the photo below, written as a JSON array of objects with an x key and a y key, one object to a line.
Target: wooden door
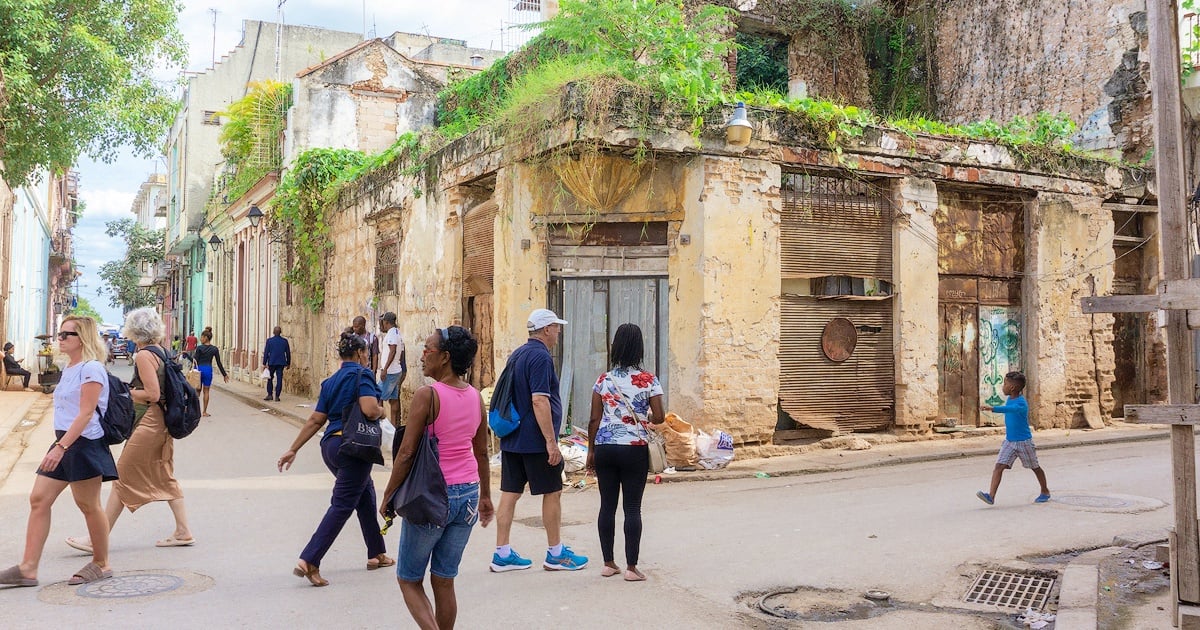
[{"x": 958, "y": 363}]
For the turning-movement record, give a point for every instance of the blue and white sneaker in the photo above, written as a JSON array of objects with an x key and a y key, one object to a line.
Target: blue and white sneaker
[
  {"x": 568, "y": 561},
  {"x": 514, "y": 562}
]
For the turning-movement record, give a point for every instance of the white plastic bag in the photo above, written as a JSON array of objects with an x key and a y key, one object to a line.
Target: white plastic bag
[
  {"x": 574, "y": 457},
  {"x": 266, "y": 373},
  {"x": 714, "y": 449},
  {"x": 389, "y": 435}
]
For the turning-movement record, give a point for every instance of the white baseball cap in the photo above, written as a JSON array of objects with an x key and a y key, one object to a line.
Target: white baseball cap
[{"x": 542, "y": 318}]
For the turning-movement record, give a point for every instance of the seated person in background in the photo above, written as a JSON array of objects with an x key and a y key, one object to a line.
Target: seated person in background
[{"x": 12, "y": 366}]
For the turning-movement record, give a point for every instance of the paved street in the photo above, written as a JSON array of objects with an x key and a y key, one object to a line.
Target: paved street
[{"x": 906, "y": 529}]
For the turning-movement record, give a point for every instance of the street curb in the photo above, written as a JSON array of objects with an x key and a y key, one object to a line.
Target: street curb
[{"x": 803, "y": 468}]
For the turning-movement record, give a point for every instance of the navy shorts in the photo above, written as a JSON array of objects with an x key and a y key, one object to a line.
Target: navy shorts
[{"x": 84, "y": 460}]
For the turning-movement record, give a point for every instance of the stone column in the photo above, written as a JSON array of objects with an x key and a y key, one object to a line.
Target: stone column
[
  {"x": 725, "y": 284},
  {"x": 915, "y": 276}
]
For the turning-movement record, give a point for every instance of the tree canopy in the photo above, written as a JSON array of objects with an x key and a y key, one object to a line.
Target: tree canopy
[
  {"x": 78, "y": 77},
  {"x": 84, "y": 308},
  {"x": 121, "y": 276}
]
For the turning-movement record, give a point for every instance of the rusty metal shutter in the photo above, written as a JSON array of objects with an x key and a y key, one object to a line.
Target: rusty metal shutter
[
  {"x": 857, "y": 394},
  {"x": 834, "y": 226},
  {"x": 478, "y": 261}
]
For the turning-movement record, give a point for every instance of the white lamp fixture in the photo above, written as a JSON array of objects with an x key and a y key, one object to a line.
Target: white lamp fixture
[
  {"x": 255, "y": 215},
  {"x": 738, "y": 130}
]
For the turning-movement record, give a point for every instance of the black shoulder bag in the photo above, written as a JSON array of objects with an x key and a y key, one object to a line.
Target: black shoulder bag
[
  {"x": 422, "y": 498},
  {"x": 362, "y": 438}
]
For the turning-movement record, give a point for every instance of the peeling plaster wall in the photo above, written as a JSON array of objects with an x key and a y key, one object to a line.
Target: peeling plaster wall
[
  {"x": 915, "y": 273},
  {"x": 724, "y": 319},
  {"x": 1072, "y": 358},
  {"x": 1003, "y": 58},
  {"x": 519, "y": 276}
]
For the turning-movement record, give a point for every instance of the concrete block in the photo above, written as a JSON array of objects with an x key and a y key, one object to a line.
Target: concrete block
[
  {"x": 1075, "y": 619},
  {"x": 1189, "y": 617},
  {"x": 1162, "y": 553},
  {"x": 1079, "y": 587},
  {"x": 1140, "y": 538}
]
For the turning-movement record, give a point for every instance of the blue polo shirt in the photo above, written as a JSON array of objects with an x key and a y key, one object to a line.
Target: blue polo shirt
[
  {"x": 351, "y": 382},
  {"x": 1016, "y": 419},
  {"x": 534, "y": 374}
]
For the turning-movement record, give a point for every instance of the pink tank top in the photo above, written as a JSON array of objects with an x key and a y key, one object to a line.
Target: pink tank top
[{"x": 458, "y": 420}]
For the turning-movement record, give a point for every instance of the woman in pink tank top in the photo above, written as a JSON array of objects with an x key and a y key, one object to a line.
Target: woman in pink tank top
[{"x": 452, "y": 411}]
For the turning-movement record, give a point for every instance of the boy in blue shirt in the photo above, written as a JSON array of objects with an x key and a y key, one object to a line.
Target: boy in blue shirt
[{"x": 1018, "y": 439}]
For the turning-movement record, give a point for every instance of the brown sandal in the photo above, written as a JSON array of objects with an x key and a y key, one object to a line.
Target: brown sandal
[
  {"x": 311, "y": 573},
  {"x": 88, "y": 574},
  {"x": 379, "y": 562},
  {"x": 12, "y": 577}
]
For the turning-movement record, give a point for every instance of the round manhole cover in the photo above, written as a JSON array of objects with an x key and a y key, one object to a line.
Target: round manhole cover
[
  {"x": 1097, "y": 502},
  {"x": 122, "y": 586},
  {"x": 127, "y": 586}
]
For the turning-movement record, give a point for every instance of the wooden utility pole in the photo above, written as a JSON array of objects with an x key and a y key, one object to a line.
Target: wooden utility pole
[{"x": 1176, "y": 296}]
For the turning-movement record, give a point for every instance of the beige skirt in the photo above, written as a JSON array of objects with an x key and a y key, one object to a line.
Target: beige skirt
[{"x": 146, "y": 468}]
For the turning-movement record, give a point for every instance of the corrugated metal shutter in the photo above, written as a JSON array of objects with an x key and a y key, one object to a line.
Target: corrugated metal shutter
[
  {"x": 478, "y": 234},
  {"x": 833, "y": 226},
  {"x": 857, "y": 394}
]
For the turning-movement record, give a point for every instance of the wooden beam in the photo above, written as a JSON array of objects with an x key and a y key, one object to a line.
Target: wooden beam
[
  {"x": 1163, "y": 414},
  {"x": 1129, "y": 241},
  {"x": 1140, "y": 303},
  {"x": 1163, "y": 27},
  {"x": 1129, "y": 207}
]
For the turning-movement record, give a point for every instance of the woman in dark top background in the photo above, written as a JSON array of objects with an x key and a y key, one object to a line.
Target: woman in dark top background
[
  {"x": 353, "y": 489},
  {"x": 203, "y": 356}
]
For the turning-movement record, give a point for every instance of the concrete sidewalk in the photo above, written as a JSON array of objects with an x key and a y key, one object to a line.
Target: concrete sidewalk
[{"x": 830, "y": 455}]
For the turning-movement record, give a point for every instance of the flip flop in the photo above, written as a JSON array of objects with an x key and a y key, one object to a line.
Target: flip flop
[
  {"x": 12, "y": 577},
  {"x": 634, "y": 576},
  {"x": 608, "y": 571},
  {"x": 1042, "y": 498},
  {"x": 76, "y": 543},
  {"x": 89, "y": 573},
  {"x": 379, "y": 562},
  {"x": 175, "y": 542}
]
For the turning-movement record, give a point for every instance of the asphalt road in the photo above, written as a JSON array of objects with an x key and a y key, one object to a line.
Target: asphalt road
[{"x": 709, "y": 548}]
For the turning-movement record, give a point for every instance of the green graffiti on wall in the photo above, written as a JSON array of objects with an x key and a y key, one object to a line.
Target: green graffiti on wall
[{"x": 999, "y": 350}]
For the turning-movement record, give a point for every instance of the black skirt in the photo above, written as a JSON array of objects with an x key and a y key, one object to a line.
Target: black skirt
[{"x": 84, "y": 460}]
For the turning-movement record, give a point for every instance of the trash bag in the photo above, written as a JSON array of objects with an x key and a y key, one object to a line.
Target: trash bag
[
  {"x": 715, "y": 449},
  {"x": 681, "y": 441},
  {"x": 574, "y": 457},
  {"x": 389, "y": 435}
]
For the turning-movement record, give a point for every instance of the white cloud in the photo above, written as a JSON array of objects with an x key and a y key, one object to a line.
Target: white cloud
[{"x": 107, "y": 204}]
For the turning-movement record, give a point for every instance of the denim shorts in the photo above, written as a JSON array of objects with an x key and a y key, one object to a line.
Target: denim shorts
[
  {"x": 439, "y": 548},
  {"x": 391, "y": 386}
]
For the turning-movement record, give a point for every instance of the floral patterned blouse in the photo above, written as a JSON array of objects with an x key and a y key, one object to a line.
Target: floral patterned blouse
[{"x": 619, "y": 390}]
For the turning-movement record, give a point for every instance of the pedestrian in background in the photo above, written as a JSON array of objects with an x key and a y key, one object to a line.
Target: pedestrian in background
[
  {"x": 79, "y": 457},
  {"x": 204, "y": 355},
  {"x": 371, "y": 339},
  {"x": 147, "y": 463},
  {"x": 530, "y": 455},
  {"x": 624, "y": 399},
  {"x": 277, "y": 355},
  {"x": 453, "y": 412},
  {"x": 1018, "y": 439},
  {"x": 353, "y": 489},
  {"x": 395, "y": 365},
  {"x": 189, "y": 349}
]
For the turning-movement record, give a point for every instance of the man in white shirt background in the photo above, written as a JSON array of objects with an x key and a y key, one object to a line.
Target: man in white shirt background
[{"x": 393, "y": 364}]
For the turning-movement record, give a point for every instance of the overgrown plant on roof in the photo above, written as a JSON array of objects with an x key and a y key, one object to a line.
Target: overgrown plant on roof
[{"x": 251, "y": 138}]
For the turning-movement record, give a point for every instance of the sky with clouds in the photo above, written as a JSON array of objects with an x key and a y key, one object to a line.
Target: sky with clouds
[{"x": 109, "y": 189}]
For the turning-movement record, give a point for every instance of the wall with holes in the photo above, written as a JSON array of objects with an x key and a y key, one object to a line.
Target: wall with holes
[{"x": 997, "y": 59}]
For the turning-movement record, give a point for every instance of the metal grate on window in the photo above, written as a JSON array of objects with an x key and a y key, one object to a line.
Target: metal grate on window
[
  {"x": 835, "y": 201},
  {"x": 387, "y": 265},
  {"x": 211, "y": 118},
  {"x": 1018, "y": 591}
]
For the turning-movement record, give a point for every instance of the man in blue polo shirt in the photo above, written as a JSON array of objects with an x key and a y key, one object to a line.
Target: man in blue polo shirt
[{"x": 530, "y": 454}]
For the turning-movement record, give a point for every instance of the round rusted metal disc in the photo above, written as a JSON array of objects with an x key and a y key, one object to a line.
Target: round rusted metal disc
[{"x": 839, "y": 339}]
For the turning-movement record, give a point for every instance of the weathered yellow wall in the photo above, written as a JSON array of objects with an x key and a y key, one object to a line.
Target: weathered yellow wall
[
  {"x": 520, "y": 278},
  {"x": 1071, "y": 358},
  {"x": 724, "y": 318},
  {"x": 915, "y": 276}
]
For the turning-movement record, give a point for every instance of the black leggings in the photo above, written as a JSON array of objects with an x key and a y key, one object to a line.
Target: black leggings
[{"x": 621, "y": 469}]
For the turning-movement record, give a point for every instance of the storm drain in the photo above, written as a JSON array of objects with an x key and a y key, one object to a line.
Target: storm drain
[{"x": 1010, "y": 590}]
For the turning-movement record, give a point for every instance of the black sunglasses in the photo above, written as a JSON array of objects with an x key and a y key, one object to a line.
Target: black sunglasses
[{"x": 66, "y": 333}]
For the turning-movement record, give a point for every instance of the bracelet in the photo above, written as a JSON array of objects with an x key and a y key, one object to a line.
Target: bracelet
[{"x": 60, "y": 445}]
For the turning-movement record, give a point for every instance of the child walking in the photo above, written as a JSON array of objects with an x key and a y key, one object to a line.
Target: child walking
[{"x": 1018, "y": 439}]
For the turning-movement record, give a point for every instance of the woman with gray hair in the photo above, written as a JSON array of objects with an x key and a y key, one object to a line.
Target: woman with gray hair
[{"x": 147, "y": 464}]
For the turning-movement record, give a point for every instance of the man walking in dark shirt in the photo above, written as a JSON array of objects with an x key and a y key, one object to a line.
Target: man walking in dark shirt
[
  {"x": 277, "y": 355},
  {"x": 13, "y": 367}
]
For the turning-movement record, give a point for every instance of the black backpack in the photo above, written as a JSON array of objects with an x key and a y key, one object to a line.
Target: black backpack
[
  {"x": 117, "y": 419},
  {"x": 181, "y": 404}
]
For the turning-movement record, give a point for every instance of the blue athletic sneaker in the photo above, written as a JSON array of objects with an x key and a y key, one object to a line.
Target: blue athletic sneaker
[
  {"x": 514, "y": 562},
  {"x": 985, "y": 497},
  {"x": 568, "y": 561}
]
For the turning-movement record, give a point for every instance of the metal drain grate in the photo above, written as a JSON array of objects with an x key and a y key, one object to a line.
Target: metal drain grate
[{"x": 1010, "y": 590}]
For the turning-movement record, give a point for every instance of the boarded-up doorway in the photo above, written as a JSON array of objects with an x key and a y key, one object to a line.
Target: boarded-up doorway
[
  {"x": 981, "y": 241},
  {"x": 601, "y": 277},
  {"x": 478, "y": 265}
]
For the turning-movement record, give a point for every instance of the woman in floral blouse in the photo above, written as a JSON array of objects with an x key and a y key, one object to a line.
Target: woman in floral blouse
[{"x": 624, "y": 399}]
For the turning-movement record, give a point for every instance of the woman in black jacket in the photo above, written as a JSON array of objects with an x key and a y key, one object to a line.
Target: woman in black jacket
[{"x": 203, "y": 356}]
